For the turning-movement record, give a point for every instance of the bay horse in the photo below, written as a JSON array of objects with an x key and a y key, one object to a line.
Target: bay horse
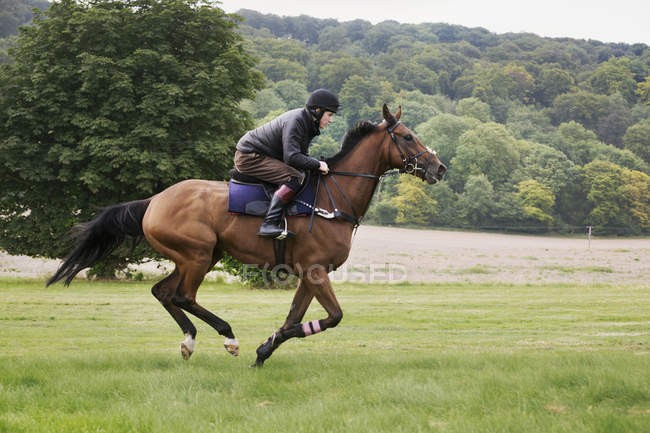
[{"x": 189, "y": 224}]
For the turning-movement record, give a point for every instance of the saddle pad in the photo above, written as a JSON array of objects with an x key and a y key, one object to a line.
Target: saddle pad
[{"x": 253, "y": 199}]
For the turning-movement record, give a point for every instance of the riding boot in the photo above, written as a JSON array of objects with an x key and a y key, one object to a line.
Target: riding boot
[{"x": 273, "y": 225}]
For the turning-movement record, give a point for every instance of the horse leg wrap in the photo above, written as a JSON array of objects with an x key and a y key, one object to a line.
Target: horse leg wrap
[{"x": 310, "y": 328}]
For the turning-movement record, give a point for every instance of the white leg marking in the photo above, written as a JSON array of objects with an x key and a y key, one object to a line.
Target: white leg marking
[
  {"x": 232, "y": 346},
  {"x": 187, "y": 346}
]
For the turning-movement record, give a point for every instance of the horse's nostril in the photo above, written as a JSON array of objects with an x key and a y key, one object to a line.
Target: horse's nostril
[{"x": 442, "y": 169}]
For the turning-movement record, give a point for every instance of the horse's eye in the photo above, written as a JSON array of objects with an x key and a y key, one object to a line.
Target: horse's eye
[{"x": 408, "y": 137}]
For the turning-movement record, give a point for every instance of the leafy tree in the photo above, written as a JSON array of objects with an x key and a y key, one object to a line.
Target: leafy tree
[
  {"x": 448, "y": 211},
  {"x": 537, "y": 200},
  {"x": 15, "y": 13},
  {"x": 636, "y": 190},
  {"x": 488, "y": 149},
  {"x": 637, "y": 139},
  {"x": 619, "y": 197},
  {"x": 266, "y": 101},
  {"x": 581, "y": 106},
  {"x": 550, "y": 83},
  {"x": 331, "y": 37},
  {"x": 614, "y": 76},
  {"x": 552, "y": 169},
  {"x": 474, "y": 108},
  {"x": 477, "y": 200},
  {"x": 442, "y": 133},
  {"x": 414, "y": 205},
  {"x": 643, "y": 90},
  {"x": 283, "y": 69},
  {"x": 335, "y": 73},
  {"x": 361, "y": 99},
  {"x": 109, "y": 101},
  {"x": 525, "y": 121},
  {"x": 615, "y": 121},
  {"x": 293, "y": 93},
  {"x": 417, "y": 107},
  {"x": 383, "y": 212},
  {"x": 324, "y": 146}
]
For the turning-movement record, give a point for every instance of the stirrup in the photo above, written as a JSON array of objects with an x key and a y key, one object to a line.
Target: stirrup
[
  {"x": 278, "y": 233},
  {"x": 285, "y": 231}
]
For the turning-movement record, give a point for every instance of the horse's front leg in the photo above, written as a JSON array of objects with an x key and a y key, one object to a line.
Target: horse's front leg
[{"x": 314, "y": 283}]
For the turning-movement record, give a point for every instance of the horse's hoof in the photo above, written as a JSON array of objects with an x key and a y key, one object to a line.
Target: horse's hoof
[
  {"x": 232, "y": 346},
  {"x": 259, "y": 363},
  {"x": 185, "y": 352}
]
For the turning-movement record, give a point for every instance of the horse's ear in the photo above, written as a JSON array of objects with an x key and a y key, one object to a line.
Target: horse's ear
[
  {"x": 398, "y": 114},
  {"x": 388, "y": 116}
]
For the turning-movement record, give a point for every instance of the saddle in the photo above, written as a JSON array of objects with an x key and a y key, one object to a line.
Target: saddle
[{"x": 250, "y": 196}]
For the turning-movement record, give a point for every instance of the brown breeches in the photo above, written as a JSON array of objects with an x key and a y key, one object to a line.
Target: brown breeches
[{"x": 266, "y": 168}]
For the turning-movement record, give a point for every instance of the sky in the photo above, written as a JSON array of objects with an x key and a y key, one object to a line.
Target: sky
[{"x": 625, "y": 21}]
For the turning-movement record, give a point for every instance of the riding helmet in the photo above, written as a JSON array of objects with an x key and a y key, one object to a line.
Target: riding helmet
[{"x": 324, "y": 99}]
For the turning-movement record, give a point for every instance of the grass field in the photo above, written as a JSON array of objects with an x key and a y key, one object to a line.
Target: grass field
[{"x": 103, "y": 357}]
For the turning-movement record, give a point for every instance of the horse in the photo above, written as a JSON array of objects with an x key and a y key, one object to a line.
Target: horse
[{"x": 189, "y": 224}]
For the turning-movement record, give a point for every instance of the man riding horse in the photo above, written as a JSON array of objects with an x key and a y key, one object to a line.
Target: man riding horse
[{"x": 277, "y": 153}]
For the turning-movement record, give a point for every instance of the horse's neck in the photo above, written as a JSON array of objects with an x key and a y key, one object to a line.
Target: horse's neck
[{"x": 367, "y": 158}]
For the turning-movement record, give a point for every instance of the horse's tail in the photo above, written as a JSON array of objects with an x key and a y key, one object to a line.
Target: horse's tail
[{"x": 97, "y": 238}]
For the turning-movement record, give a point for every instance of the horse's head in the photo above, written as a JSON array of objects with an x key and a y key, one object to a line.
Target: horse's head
[{"x": 407, "y": 151}]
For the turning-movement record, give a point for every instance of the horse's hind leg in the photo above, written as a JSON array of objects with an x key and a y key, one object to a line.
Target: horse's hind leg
[
  {"x": 192, "y": 273},
  {"x": 164, "y": 291}
]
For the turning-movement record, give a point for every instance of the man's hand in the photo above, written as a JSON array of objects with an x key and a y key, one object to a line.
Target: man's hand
[{"x": 323, "y": 167}]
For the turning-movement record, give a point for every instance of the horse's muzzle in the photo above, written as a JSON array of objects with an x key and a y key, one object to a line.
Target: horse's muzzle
[{"x": 435, "y": 173}]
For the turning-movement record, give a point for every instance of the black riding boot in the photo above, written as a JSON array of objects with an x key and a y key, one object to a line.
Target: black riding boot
[{"x": 273, "y": 225}]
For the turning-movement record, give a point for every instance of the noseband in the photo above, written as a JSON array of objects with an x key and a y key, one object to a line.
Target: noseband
[{"x": 409, "y": 162}]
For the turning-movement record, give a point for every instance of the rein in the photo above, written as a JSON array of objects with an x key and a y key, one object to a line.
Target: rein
[{"x": 410, "y": 166}]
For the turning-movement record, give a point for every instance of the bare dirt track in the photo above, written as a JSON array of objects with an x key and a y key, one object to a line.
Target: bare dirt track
[{"x": 387, "y": 254}]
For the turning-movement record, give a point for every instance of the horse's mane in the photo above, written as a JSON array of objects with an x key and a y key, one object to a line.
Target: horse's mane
[{"x": 351, "y": 138}]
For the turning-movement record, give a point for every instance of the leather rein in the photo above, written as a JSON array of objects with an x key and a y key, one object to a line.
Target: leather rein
[{"x": 409, "y": 165}]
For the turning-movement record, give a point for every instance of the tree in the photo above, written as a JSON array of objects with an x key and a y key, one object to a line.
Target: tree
[
  {"x": 619, "y": 198},
  {"x": 550, "y": 83},
  {"x": 637, "y": 139},
  {"x": 643, "y": 90},
  {"x": 537, "y": 200},
  {"x": 478, "y": 200},
  {"x": 15, "y": 13},
  {"x": 414, "y": 205},
  {"x": 577, "y": 143},
  {"x": 474, "y": 108},
  {"x": 580, "y": 106},
  {"x": 442, "y": 133},
  {"x": 361, "y": 99},
  {"x": 293, "y": 93},
  {"x": 109, "y": 101},
  {"x": 266, "y": 101},
  {"x": 488, "y": 149},
  {"x": 336, "y": 72},
  {"x": 552, "y": 169},
  {"x": 614, "y": 76}
]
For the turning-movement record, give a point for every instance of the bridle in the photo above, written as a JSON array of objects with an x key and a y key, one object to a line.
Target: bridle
[
  {"x": 409, "y": 162},
  {"x": 410, "y": 165}
]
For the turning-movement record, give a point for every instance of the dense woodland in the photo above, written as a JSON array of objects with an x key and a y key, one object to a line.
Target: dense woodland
[{"x": 539, "y": 134}]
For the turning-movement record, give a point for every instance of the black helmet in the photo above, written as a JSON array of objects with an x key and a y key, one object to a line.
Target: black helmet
[{"x": 324, "y": 99}]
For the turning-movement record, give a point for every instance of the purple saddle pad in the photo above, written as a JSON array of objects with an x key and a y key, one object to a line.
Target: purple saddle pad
[{"x": 253, "y": 199}]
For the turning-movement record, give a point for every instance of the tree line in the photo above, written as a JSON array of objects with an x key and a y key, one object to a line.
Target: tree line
[
  {"x": 540, "y": 134},
  {"x": 103, "y": 101}
]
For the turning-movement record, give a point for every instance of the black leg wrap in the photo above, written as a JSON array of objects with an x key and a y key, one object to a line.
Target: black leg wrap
[{"x": 267, "y": 348}]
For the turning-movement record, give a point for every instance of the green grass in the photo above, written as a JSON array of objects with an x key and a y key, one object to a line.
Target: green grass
[
  {"x": 571, "y": 269},
  {"x": 103, "y": 357}
]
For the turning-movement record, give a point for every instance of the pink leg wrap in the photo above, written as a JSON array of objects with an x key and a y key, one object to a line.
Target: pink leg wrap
[{"x": 310, "y": 328}]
